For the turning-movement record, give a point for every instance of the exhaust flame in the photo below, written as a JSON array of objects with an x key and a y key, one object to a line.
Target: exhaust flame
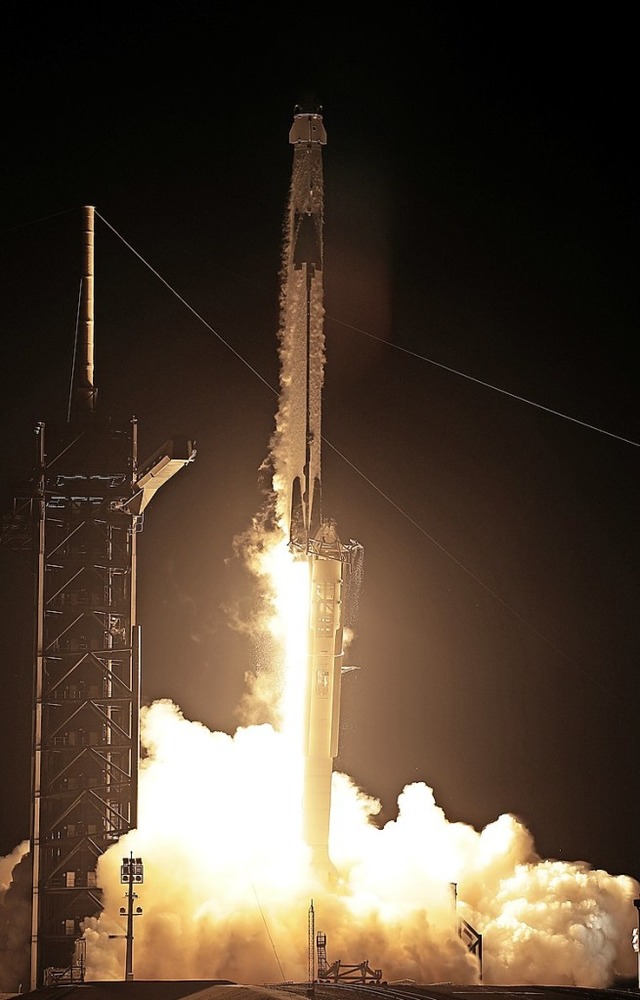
[{"x": 290, "y": 579}]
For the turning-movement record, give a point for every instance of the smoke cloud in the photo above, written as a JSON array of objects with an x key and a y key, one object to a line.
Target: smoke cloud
[{"x": 227, "y": 889}]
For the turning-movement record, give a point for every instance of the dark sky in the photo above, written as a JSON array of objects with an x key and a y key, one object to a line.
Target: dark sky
[{"x": 481, "y": 212}]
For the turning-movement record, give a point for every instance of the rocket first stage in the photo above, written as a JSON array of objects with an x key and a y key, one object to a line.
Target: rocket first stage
[{"x": 333, "y": 566}]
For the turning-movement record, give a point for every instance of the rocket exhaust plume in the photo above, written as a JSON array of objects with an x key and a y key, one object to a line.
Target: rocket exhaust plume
[{"x": 230, "y": 862}]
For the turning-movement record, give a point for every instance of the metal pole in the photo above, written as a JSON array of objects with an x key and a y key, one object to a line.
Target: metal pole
[
  {"x": 37, "y": 918},
  {"x": 85, "y": 387},
  {"x": 128, "y": 975},
  {"x": 636, "y": 903},
  {"x": 311, "y": 933},
  {"x": 130, "y": 872}
]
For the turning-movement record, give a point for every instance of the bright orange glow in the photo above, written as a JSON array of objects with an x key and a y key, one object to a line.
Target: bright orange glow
[{"x": 289, "y": 580}]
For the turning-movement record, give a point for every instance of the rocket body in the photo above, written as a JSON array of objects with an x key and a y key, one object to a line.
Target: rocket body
[
  {"x": 302, "y": 343},
  {"x": 298, "y": 478},
  {"x": 322, "y": 693}
]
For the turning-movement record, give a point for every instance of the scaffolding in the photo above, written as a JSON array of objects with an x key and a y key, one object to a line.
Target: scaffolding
[
  {"x": 78, "y": 517},
  {"x": 340, "y": 972}
]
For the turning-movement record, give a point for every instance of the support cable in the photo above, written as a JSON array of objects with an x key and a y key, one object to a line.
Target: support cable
[
  {"x": 442, "y": 549},
  {"x": 266, "y": 926},
  {"x": 75, "y": 354},
  {"x": 349, "y": 326},
  {"x": 35, "y": 222},
  {"x": 189, "y": 307},
  {"x": 488, "y": 385}
]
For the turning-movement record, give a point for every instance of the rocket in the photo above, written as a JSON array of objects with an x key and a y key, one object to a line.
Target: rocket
[
  {"x": 329, "y": 565},
  {"x": 305, "y": 316},
  {"x": 333, "y": 566}
]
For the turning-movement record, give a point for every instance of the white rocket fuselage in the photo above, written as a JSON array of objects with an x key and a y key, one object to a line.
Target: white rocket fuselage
[
  {"x": 302, "y": 342},
  {"x": 311, "y": 537},
  {"x": 322, "y": 697}
]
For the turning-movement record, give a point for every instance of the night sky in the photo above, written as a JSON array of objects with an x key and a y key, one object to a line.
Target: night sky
[{"x": 481, "y": 220}]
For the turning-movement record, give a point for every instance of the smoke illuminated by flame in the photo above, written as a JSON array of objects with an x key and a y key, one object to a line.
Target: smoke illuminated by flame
[{"x": 227, "y": 888}]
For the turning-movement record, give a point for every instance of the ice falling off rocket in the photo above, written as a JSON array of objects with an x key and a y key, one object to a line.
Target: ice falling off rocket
[{"x": 334, "y": 567}]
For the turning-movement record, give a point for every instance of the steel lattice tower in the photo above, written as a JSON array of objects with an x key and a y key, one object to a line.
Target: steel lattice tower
[{"x": 80, "y": 516}]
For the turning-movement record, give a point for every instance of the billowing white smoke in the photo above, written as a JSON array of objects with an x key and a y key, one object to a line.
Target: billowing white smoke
[{"x": 227, "y": 891}]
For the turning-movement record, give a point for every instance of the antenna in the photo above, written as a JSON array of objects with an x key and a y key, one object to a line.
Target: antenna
[{"x": 311, "y": 951}]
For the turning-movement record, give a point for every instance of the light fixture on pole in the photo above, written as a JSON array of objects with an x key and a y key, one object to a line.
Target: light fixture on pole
[{"x": 131, "y": 873}]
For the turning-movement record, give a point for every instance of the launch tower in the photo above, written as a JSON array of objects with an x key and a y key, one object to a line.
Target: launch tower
[{"x": 79, "y": 516}]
